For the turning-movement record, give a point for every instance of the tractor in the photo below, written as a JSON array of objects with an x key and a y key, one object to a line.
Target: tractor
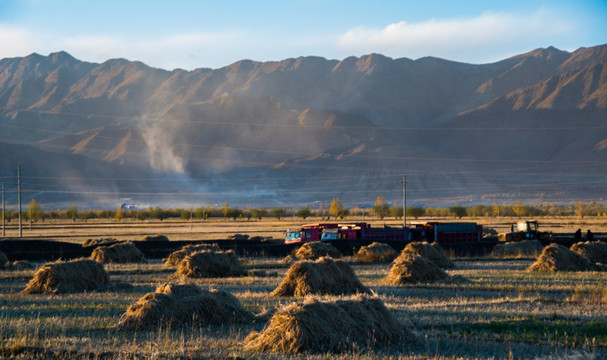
[{"x": 523, "y": 230}]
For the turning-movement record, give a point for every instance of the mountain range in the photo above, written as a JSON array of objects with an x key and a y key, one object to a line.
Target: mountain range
[{"x": 302, "y": 131}]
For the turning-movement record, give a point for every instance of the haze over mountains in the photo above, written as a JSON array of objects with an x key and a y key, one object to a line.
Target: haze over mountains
[{"x": 301, "y": 131}]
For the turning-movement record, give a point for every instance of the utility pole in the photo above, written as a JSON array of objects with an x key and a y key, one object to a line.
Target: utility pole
[
  {"x": 363, "y": 212},
  {"x": 191, "y": 218},
  {"x": 19, "y": 200},
  {"x": 404, "y": 200},
  {"x": 3, "y": 221}
]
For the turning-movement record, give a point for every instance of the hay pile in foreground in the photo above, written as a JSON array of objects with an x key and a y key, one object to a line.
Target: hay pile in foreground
[
  {"x": 4, "y": 263},
  {"x": 323, "y": 277},
  {"x": 376, "y": 252},
  {"x": 99, "y": 242},
  {"x": 205, "y": 264},
  {"x": 315, "y": 250},
  {"x": 117, "y": 253},
  {"x": 176, "y": 256},
  {"x": 68, "y": 277},
  {"x": 559, "y": 258},
  {"x": 359, "y": 323},
  {"x": 155, "y": 238},
  {"x": 410, "y": 268},
  {"x": 595, "y": 251},
  {"x": 178, "y": 305},
  {"x": 517, "y": 249},
  {"x": 432, "y": 252}
]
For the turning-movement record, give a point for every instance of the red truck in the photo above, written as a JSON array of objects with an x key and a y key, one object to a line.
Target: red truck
[{"x": 331, "y": 231}]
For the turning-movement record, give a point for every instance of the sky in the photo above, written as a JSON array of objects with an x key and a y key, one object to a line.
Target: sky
[{"x": 212, "y": 34}]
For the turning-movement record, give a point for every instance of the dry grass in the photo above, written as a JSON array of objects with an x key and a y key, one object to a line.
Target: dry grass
[
  {"x": 518, "y": 249},
  {"x": 410, "y": 268},
  {"x": 595, "y": 251},
  {"x": 176, "y": 256},
  {"x": 68, "y": 277},
  {"x": 359, "y": 323},
  {"x": 375, "y": 252},
  {"x": 207, "y": 264},
  {"x": 559, "y": 258},
  {"x": 178, "y": 305},
  {"x": 432, "y": 252},
  {"x": 315, "y": 250},
  {"x": 324, "y": 276},
  {"x": 117, "y": 253}
]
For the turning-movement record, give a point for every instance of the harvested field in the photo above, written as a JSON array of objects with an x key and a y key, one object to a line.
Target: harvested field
[
  {"x": 117, "y": 253},
  {"x": 525, "y": 248},
  {"x": 4, "y": 262},
  {"x": 68, "y": 277},
  {"x": 176, "y": 256},
  {"x": 315, "y": 250},
  {"x": 178, "y": 305},
  {"x": 155, "y": 238},
  {"x": 432, "y": 252},
  {"x": 321, "y": 277},
  {"x": 559, "y": 258},
  {"x": 376, "y": 252},
  {"x": 206, "y": 264},
  {"x": 360, "y": 323},
  {"x": 595, "y": 251},
  {"x": 410, "y": 268}
]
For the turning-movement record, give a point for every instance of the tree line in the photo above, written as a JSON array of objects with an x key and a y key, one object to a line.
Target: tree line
[{"x": 335, "y": 210}]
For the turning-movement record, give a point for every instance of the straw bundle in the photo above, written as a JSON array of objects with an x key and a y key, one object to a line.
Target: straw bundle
[
  {"x": 4, "y": 263},
  {"x": 559, "y": 258},
  {"x": 359, "y": 323},
  {"x": 176, "y": 256},
  {"x": 410, "y": 268},
  {"x": 117, "y": 253},
  {"x": 204, "y": 264},
  {"x": 432, "y": 252},
  {"x": 316, "y": 249},
  {"x": 155, "y": 238},
  {"x": 595, "y": 251},
  {"x": 98, "y": 242},
  {"x": 68, "y": 277},
  {"x": 324, "y": 276},
  {"x": 376, "y": 252}
]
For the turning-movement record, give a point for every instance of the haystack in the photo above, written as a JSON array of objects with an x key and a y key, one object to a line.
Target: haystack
[
  {"x": 178, "y": 305},
  {"x": 410, "y": 268},
  {"x": 376, "y": 252},
  {"x": 4, "y": 263},
  {"x": 176, "y": 256},
  {"x": 316, "y": 249},
  {"x": 595, "y": 251},
  {"x": 21, "y": 265},
  {"x": 117, "y": 253},
  {"x": 68, "y": 277},
  {"x": 432, "y": 252},
  {"x": 525, "y": 248},
  {"x": 155, "y": 238},
  {"x": 359, "y": 323},
  {"x": 559, "y": 258},
  {"x": 99, "y": 242},
  {"x": 324, "y": 276},
  {"x": 205, "y": 264}
]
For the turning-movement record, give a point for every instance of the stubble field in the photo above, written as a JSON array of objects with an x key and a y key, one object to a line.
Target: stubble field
[{"x": 498, "y": 310}]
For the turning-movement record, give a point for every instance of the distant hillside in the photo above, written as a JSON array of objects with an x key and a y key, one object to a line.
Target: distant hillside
[{"x": 302, "y": 131}]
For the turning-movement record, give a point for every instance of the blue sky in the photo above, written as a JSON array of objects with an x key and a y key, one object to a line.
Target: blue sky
[{"x": 192, "y": 34}]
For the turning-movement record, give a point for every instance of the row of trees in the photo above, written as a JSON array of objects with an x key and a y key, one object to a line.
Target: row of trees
[{"x": 336, "y": 210}]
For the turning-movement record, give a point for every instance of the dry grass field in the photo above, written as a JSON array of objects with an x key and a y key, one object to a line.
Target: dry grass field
[{"x": 491, "y": 309}]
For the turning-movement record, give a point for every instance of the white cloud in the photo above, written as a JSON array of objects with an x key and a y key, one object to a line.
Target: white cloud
[{"x": 459, "y": 37}]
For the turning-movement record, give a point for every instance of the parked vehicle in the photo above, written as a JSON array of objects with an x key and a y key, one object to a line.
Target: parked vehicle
[
  {"x": 524, "y": 230},
  {"x": 452, "y": 232},
  {"x": 332, "y": 231}
]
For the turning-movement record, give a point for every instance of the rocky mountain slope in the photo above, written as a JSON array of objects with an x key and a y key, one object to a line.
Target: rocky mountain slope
[{"x": 301, "y": 131}]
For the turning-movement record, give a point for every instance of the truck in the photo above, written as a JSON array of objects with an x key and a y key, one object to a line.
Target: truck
[
  {"x": 332, "y": 231},
  {"x": 523, "y": 230},
  {"x": 450, "y": 232}
]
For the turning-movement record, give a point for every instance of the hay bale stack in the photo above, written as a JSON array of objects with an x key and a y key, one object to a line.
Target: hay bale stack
[
  {"x": 315, "y": 250},
  {"x": 205, "y": 264},
  {"x": 526, "y": 248},
  {"x": 117, "y": 253},
  {"x": 559, "y": 258},
  {"x": 178, "y": 305},
  {"x": 99, "y": 242},
  {"x": 595, "y": 251},
  {"x": 4, "y": 263},
  {"x": 176, "y": 256},
  {"x": 410, "y": 268},
  {"x": 68, "y": 277},
  {"x": 355, "y": 324},
  {"x": 432, "y": 252},
  {"x": 155, "y": 238},
  {"x": 238, "y": 237},
  {"x": 324, "y": 276},
  {"x": 376, "y": 252}
]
